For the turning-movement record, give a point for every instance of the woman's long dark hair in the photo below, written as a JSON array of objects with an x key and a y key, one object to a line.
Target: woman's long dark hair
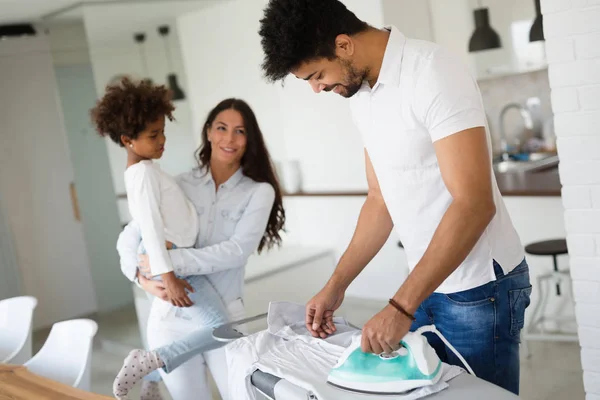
[{"x": 256, "y": 163}]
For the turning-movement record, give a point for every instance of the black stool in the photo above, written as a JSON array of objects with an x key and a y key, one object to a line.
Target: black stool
[
  {"x": 552, "y": 248},
  {"x": 536, "y": 329}
]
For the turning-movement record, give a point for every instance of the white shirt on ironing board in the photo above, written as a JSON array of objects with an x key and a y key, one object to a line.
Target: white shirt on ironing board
[
  {"x": 288, "y": 351},
  {"x": 424, "y": 94},
  {"x": 162, "y": 211}
]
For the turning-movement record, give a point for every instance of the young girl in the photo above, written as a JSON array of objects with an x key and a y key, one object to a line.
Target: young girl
[{"x": 133, "y": 116}]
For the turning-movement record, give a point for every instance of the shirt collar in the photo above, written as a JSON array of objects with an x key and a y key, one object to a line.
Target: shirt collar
[
  {"x": 206, "y": 177},
  {"x": 392, "y": 58},
  {"x": 203, "y": 174},
  {"x": 234, "y": 179}
]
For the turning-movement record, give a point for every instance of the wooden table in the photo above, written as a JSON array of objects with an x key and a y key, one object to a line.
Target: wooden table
[{"x": 17, "y": 383}]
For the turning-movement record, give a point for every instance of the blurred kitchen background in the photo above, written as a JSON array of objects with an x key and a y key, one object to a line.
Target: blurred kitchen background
[{"x": 62, "y": 201}]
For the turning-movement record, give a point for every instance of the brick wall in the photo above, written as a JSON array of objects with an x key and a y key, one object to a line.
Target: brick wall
[{"x": 572, "y": 30}]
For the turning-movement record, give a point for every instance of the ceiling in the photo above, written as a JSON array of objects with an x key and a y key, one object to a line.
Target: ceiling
[{"x": 15, "y": 11}]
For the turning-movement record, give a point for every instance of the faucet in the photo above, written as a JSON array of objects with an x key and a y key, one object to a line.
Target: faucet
[{"x": 527, "y": 120}]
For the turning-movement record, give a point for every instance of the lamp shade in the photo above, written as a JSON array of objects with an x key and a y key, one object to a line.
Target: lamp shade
[
  {"x": 484, "y": 37},
  {"x": 537, "y": 30},
  {"x": 175, "y": 88}
]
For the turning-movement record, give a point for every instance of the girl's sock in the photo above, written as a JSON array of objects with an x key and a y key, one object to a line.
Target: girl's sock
[
  {"x": 138, "y": 364},
  {"x": 150, "y": 391}
]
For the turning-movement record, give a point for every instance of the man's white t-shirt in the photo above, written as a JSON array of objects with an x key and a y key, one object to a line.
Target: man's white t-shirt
[
  {"x": 162, "y": 211},
  {"x": 424, "y": 94}
]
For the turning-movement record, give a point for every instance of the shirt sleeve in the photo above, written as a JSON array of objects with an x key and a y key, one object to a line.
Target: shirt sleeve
[
  {"x": 145, "y": 197},
  {"x": 232, "y": 253},
  {"x": 448, "y": 100},
  {"x": 127, "y": 247}
]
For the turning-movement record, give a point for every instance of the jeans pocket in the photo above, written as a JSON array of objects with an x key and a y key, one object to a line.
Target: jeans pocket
[
  {"x": 473, "y": 297},
  {"x": 519, "y": 301},
  {"x": 468, "y": 303}
]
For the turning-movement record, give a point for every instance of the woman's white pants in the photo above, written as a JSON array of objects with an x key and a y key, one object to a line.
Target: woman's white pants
[{"x": 189, "y": 381}]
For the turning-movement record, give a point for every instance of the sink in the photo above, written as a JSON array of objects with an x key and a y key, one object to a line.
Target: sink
[
  {"x": 536, "y": 162},
  {"x": 541, "y": 156}
]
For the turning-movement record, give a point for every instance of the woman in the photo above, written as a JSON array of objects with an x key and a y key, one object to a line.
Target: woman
[{"x": 239, "y": 205}]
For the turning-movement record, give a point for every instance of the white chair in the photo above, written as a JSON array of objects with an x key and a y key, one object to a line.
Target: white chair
[
  {"x": 66, "y": 356},
  {"x": 16, "y": 315}
]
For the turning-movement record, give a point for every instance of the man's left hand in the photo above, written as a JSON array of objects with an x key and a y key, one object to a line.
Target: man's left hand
[{"x": 383, "y": 332}]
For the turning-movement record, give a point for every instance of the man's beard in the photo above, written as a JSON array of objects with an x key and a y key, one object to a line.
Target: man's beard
[{"x": 354, "y": 77}]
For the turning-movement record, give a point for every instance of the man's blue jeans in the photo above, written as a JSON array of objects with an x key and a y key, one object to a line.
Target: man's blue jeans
[{"x": 483, "y": 324}]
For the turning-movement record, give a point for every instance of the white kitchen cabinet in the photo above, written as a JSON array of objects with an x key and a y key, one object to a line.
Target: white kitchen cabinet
[
  {"x": 330, "y": 221},
  {"x": 290, "y": 273}
]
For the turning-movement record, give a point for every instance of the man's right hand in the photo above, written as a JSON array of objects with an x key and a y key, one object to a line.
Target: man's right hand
[
  {"x": 176, "y": 290},
  {"x": 320, "y": 309}
]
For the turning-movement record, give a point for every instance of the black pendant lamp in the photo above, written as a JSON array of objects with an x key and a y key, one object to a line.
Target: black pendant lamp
[
  {"x": 178, "y": 93},
  {"x": 140, "y": 38},
  {"x": 484, "y": 37},
  {"x": 537, "y": 31}
]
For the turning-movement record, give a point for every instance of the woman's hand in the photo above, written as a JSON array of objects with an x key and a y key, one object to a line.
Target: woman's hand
[{"x": 155, "y": 288}]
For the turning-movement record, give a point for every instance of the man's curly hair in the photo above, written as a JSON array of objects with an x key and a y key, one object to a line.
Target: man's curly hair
[
  {"x": 295, "y": 31},
  {"x": 128, "y": 107}
]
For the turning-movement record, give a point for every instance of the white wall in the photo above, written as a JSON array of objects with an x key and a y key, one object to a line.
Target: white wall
[
  {"x": 452, "y": 24},
  {"x": 314, "y": 129},
  {"x": 572, "y": 31},
  {"x": 319, "y": 131},
  {"x": 10, "y": 284},
  {"x": 411, "y": 17},
  {"x": 68, "y": 43},
  {"x": 113, "y": 51},
  {"x": 222, "y": 55},
  {"x": 35, "y": 173}
]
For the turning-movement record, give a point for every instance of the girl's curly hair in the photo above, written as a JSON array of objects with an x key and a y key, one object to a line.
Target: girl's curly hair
[{"x": 128, "y": 107}]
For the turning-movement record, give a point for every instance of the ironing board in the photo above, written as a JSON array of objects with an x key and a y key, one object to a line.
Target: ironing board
[{"x": 267, "y": 386}]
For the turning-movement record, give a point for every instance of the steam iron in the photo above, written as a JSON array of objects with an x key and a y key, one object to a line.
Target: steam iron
[{"x": 414, "y": 365}]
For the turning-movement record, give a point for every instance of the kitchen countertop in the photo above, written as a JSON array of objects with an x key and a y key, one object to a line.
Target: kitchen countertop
[{"x": 540, "y": 183}]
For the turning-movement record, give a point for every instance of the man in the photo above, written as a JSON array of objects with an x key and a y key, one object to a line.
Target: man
[{"x": 428, "y": 165}]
